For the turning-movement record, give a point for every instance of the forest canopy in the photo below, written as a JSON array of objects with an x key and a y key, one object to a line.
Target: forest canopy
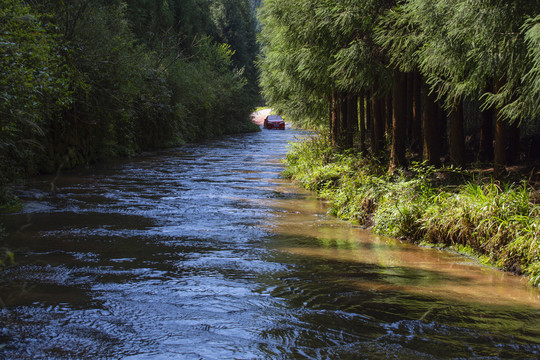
[
  {"x": 84, "y": 80},
  {"x": 456, "y": 80}
]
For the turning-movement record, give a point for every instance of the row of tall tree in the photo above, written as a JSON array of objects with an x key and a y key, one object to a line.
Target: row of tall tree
[
  {"x": 82, "y": 80},
  {"x": 403, "y": 75}
]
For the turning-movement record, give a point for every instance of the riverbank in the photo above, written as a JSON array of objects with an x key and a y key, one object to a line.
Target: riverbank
[{"x": 496, "y": 222}]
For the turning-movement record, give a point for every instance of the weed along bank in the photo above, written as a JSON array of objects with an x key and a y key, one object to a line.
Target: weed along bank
[{"x": 497, "y": 222}]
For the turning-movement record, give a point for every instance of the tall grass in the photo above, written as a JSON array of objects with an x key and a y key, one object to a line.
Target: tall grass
[{"x": 499, "y": 222}]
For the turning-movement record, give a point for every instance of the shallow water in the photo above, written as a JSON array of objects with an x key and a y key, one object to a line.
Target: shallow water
[{"x": 204, "y": 252}]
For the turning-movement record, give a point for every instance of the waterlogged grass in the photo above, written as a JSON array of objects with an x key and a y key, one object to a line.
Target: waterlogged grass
[{"x": 498, "y": 223}]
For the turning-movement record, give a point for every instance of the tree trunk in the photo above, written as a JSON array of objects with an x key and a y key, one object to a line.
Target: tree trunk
[
  {"x": 416, "y": 132},
  {"x": 388, "y": 104},
  {"x": 352, "y": 120},
  {"x": 377, "y": 131},
  {"x": 443, "y": 131},
  {"x": 409, "y": 106},
  {"x": 334, "y": 120},
  {"x": 355, "y": 113},
  {"x": 362, "y": 124},
  {"x": 456, "y": 136},
  {"x": 430, "y": 122},
  {"x": 500, "y": 159},
  {"x": 399, "y": 123},
  {"x": 369, "y": 119},
  {"x": 369, "y": 112},
  {"x": 513, "y": 143},
  {"x": 485, "y": 152},
  {"x": 344, "y": 122},
  {"x": 500, "y": 147}
]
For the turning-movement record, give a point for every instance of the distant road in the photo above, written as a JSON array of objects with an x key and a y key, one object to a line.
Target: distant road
[{"x": 258, "y": 116}]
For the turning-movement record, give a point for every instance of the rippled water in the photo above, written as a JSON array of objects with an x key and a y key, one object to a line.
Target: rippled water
[{"x": 203, "y": 252}]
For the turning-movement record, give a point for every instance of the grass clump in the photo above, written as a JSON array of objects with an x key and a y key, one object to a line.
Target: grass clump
[{"x": 499, "y": 223}]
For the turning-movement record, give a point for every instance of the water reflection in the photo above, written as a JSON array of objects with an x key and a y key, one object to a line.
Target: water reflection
[
  {"x": 407, "y": 267},
  {"x": 205, "y": 253},
  {"x": 381, "y": 298}
]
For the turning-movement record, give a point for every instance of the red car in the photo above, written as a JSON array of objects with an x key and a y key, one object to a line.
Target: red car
[{"x": 274, "y": 122}]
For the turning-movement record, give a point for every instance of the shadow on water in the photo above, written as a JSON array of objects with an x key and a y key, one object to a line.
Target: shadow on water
[{"x": 204, "y": 252}]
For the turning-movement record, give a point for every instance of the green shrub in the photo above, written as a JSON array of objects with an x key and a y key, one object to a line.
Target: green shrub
[{"x": 400, "y": 209}]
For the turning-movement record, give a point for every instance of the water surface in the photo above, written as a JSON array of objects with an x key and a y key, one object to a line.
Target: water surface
[{"x": 204, "y": 252}]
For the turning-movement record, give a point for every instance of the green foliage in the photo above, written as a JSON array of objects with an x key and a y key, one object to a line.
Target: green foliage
[
  {"x": 208, "y": 93},
  {"x": 400, "y": 206},
  {"x": 311, "y": 48},
  {"x": 110, "y": 78},
  {"x": 526, "y": 102},
  {"x": 82, "y": 81},
  {"x": 33, "y": 84},
  {"x": 293, "y": 76},
  {"x": 233, "y": 23},
  {"x": 499, "y": 222},
  {"x": 463, "y": 47},
  {"x": 306, "y": 156}
]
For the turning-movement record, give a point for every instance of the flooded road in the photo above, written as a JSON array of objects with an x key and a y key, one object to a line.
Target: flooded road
[{"x": 204, "y": 252}]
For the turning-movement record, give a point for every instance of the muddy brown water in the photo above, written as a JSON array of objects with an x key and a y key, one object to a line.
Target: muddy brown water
[{"x": 204, "y": 252}]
